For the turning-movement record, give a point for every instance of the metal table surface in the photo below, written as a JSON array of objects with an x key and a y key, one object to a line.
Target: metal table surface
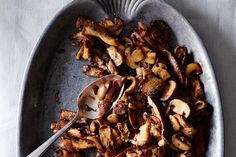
[{"x": 23, "y": 21}]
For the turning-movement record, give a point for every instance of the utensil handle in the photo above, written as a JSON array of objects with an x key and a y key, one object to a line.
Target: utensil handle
[{"x": 41, "y": 149}]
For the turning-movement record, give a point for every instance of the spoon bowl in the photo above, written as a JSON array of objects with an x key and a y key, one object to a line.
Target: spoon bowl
[{"x": 87, "y": 100}]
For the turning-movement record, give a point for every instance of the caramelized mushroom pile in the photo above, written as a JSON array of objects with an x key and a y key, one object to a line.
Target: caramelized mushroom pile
[{"x": 163, "y": 111}]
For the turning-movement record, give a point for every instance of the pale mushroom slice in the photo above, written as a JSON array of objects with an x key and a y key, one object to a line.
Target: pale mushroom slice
[
  {"x": 115, "y": 55},
  {"x": 193, "y": 69},
  {"x": 151, "y": 85},
  {"x": 160, "y": 69},
  {"x": 105, "y": 134},
  {"x": 150, "y": 57},
  {"x": 143, "y": 136},
  {"x": 187, "y": 129},
  {"x": 169, "y": 90},
  {"x": 181, "y": 142},
  {"x": 75, "y": 133},
  {"x": 113, "y": 118},
  {"x": 180, "y": 107},
  {"x": 174, "y": 122},
  {"x": 93, "y": 29},
  {"x": 133, "y": 57},
  {"x": 93, "y": 71}
]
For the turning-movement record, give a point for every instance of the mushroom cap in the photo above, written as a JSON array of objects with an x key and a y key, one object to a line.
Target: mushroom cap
[{"x": 180, "y": 107}]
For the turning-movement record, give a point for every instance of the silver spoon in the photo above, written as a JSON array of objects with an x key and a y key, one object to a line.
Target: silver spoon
[{"x": 86, "y": 98}]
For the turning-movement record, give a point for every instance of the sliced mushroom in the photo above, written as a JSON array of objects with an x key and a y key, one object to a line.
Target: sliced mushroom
[
  {"x": 93, "y": 71},
  {"x": 82, "y": 144},
  {"x": 102, "y": 90},
  {"x": 181, "y": 142},
  {"x": 187, "y": 129},
  {"x": 200, "y": 105},
  {"x": 80, "y": 22},
  {"x": 161, "y": 71},
  {"x": 90, "y": 28},
  {"x": 180, "y": 107},
  {"x": 150, "y": 57},
  {"x": 132, "y": 58},
  {"x": 157, "y": 114},
  {"x": 131, "y": 118},
  {"x": 181, "y": 54},
  {"x": 96, "y": 142},
  {"x": 66, "y": 114},
  {"x": 75, "y": 133},
  {"x": 113, "y": 118},
  {"x": 127, "y": 42},
  {"x": 105, "y": 134},
  {"x": 133, "y": 88},
  {"x": 160, "y": 31},
  {"x": 66, "y": 144},
  {"x": 124, "y": 131},
  {"x": 174, "y": 122},
  {"x": 174, "y": 65},
  {"x": 151, "y": 85},
  {"x": 143, "y": 136},
  {"x": 111, "y": 67},
  {"x": 193, "y": 69},
  {"x": 169, "y": 90},
  {"x": 137, "y": 39},
  {"x": 113, "y": 27},
  {"x": 197, "y": 89},
  {"x": 115, "y": 55}
]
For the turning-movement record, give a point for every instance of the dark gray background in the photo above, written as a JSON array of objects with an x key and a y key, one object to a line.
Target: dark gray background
[{"x": 23, "y": 21}]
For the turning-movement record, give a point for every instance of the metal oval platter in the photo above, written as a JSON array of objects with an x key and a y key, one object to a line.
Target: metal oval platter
[{"x": 53, "y": 77}]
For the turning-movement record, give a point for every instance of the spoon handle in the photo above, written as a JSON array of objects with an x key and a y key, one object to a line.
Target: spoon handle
[{"x": 41, "y": 149}]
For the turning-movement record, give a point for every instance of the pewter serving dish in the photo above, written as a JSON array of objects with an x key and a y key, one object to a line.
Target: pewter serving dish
[{"x": 53, "y": 78}]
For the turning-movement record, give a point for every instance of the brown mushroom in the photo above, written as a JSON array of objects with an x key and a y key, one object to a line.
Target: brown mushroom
[
  {"x": 102, "y": 90},
  {"x": 137, "y": 39},
  {"x": 133, "y": 88},
  {"x": 113, "y": 118},
  {"x": 105, "y": 134},
  {"x": 143, "y": 136},
  {"x": 193, "y": 69},
  {"x": 151, "y": 85},
  {"x": 131, "y": 118},
  {"x": 111, "y": 67},
  {"x": 174, "y": 122},
  {"x": 174, "y": 65},
  {"x": 134, "y": 57},
  {"x": 93, "y": 71},
  {"x": 197, "y": 89},
  {"x": 180, "y": 107},
  {"x": 187, "y": 129},
  {"x": 124, "y": 131},
  {"x": 161, "y": 70},
  {"x": 114, "y": 27},
  {"x": 115, "y": 55},
  {"x": 168, "y": 90},
  {"x": 181, "y": 142},
  {"x": 181, "y": 54},
  {"x": 91, "y": 28},
  {"x": 150, "y": 57},
  {"x": 66, "y": 144},
  {"x": 127, "y": 42},
  {"x": 74, "y": 133}
]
